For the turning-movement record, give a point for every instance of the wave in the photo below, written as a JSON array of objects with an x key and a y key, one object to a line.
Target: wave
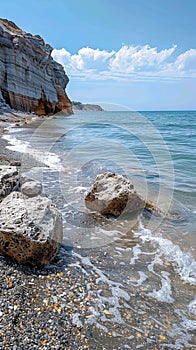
[
  {"x": 183, "y": 263},
  {"x": 49, "y": 159}
]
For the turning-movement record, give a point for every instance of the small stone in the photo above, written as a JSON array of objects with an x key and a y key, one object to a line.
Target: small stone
[
  {"x": 162, "y": 337},
  {"x": 55, "y": 299},
  {"x": 107, "y": 312},
  {"x": 44, "y": 342},
  {"x": 31, "y": 188},
  {"x": 10, "y": 284}
]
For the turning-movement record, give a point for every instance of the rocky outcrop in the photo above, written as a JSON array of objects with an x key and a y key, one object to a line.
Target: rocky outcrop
[
  {"x": 111, "y": 194},
  {"x": 30, "y": 80},
  {"x": 9, "y": 180},
  {"x": 78, "y": 106},
  {"x": 3, "y": 105}
]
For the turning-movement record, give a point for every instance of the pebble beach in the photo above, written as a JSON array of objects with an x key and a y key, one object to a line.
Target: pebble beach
[
  {"x": 37, "y": 305},
  {"x": 77, "y": 302}
]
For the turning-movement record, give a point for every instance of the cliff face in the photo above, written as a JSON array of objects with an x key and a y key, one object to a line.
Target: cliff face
[{"x": 30, "y": 80}]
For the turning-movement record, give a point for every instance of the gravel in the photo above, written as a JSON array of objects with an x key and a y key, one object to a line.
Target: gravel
[{"x": 39, "y": 308}]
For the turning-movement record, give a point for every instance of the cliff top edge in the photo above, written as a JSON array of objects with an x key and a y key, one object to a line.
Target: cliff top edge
[{"x": 10, "y": 26}]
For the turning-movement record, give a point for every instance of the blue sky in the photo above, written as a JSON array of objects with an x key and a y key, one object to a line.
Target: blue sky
[{"x": 137, "y": 53}]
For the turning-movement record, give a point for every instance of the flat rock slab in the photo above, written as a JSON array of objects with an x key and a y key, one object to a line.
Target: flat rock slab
[
  {"x": 31, "y": 229},
  {"x": 111, "y": 194}
]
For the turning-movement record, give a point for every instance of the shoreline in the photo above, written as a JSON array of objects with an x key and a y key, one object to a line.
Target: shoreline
[
  {"x": 25, "y": 289},
  {"x": 13, "y": 157},
  {"x": 9, "y": 119},
  {"x": 50, "y": 307},
  {"x": 60, "y": 306}
]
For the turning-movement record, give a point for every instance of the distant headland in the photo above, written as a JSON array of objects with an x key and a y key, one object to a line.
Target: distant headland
[{"x": 78, "y": 106}]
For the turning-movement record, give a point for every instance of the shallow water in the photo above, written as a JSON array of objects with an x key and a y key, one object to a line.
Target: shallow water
[{"x": 144, "y": 266}]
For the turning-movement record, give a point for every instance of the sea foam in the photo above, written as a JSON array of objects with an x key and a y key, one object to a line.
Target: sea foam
[
  {"x": 183, "y": 262},
  {"x": 47, "y": 158}
]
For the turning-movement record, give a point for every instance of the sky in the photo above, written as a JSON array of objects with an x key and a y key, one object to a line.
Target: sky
[{"x": 139, "y": 54}]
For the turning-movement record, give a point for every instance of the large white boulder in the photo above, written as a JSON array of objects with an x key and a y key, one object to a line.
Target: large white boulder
[
  {"x": 31, "y": 229},
  {"x": 111, "y": 194}
]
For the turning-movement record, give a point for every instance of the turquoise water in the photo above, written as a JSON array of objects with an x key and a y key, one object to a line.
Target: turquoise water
[{"x": 154, "y": 256}]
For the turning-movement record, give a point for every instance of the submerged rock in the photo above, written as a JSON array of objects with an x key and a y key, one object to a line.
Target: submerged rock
[
  {"x": 31, "y": 229},
  {"x": 9, "y": 180},
  {"x": 111, "y": 194}
]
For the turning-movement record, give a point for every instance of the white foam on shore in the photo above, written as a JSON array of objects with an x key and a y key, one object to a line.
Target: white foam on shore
[
  {"x": 164, "y": 294},
  {"x": 48, "y": 158},
  {"x": 15, "y": 144},
  {"x": 182, "y": 331},
  {"x": 183, "y": 262},
  {"x": 117, "y": 293},
  {"x": 192, "y": 306},
  {"x": 143, "y": 277}
]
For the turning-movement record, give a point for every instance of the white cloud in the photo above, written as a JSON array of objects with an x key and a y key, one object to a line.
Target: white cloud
[
  {"x": 88, "y": 58},
  {"x": 186, "y": 61},
  {"x": 130, "y": 59},
  {"x": 62, "y": 56},
  {"x": 138, "y": 62}
]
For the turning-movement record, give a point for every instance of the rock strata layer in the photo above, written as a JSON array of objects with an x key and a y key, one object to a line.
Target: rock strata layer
[
  {"x": 30, "y": 80},
  {"x": 111, "y": 194}
]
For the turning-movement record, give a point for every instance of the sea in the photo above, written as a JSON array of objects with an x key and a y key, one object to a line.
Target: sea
[{"x": 144, "y": 264}]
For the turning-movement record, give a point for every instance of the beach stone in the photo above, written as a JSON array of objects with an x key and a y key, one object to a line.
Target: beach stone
[
  {"x": 111, "y": 194},
  {"x": 31, "y": 188},
  {"x": 31, "y": 229},
  {"x": 9, "y": 180}
]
